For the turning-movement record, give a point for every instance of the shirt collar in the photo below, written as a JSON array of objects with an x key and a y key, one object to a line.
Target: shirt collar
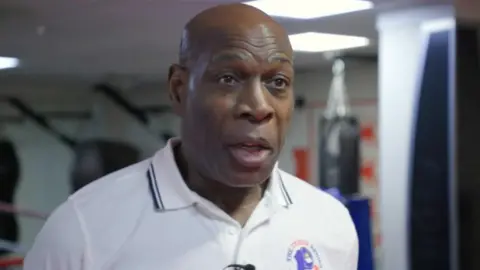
[{"x": 169, "y": 191}]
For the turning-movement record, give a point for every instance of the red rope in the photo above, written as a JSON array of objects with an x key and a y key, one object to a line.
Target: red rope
[
  {"x": 11, "y": 262},
  {"x": 8, "y": 208}
]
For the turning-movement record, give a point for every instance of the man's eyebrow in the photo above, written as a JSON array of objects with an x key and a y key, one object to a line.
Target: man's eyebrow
[{"x": 280, "y": 57}]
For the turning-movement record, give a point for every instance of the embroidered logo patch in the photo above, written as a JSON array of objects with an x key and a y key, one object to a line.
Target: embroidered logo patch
[{"x": 303, "y": 256}]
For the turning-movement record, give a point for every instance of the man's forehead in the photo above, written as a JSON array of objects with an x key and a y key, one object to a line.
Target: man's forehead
[
  {"x": 242, "y": 44},
  {"x": 236, "y": 54},
  {"x": 233, "y": 32}
]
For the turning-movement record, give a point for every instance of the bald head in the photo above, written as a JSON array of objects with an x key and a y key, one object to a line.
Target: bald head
[
  {"x": 208, "y": 28},
  {"x": 234, "y": 84}
]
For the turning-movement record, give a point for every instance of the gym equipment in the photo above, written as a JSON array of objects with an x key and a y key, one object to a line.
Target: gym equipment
[
  {"x": 114, "y": 95},
  {"x": 11, "y": 263},
  {"x": 429, "y": 225},
  {"x": 339, "y": 153},
  {"x": 7, "y": 246},
  {"x": 10, "y": 208},
  {"x": 9, "y": 178},
  {"x": 443, "y": 209},
  {"x": 98, "y": 157},
  {"x": 467, "y": 170},
  {"x": 13, "y": 247},
  {"x": 429, "y": 171},
  {"x": 39, "y": 119},
  {"x": 340, "y": 162},
  {"x": 359, "y": 209}
]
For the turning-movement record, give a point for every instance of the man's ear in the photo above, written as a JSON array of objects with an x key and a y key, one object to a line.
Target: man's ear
[{"x": 177, "y": 87}]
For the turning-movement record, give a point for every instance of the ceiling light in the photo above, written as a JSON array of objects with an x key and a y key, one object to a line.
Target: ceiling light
[
  {"x": 8, "y": 62},
  {"x": 321, "y": 42},
  {"x": 309, "y": 9}
]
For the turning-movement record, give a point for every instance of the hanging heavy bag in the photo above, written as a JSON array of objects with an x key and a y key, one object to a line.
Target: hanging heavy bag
[
  {"x": 96, "y": 158},
  {"x": 339, "y": 152},
  {"x": 9, "y": 178}
]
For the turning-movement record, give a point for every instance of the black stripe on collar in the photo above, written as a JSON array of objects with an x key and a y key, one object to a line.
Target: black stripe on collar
[
  {"x": 286, "y": 196},
  {"x": 157, "y": 198},
  {"x": 154, "y": 190}
]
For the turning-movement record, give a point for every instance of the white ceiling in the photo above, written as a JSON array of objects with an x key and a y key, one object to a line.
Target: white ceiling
[{"x": 97, "y": 38}]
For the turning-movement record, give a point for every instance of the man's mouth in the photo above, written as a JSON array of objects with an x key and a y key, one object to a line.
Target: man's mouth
[{"x": 251, "y": 154}]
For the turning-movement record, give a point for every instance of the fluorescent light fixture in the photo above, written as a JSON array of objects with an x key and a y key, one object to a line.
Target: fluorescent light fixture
[
  {"x": 8, "y": 62},
  {"x": 322, "y": 42},
  {"x": 309, "y": 9}
]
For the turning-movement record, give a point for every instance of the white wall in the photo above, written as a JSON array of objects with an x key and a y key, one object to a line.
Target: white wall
[{"x": 46, "y": 163}]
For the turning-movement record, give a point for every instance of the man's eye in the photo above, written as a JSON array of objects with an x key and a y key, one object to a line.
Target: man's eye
[
  {"x": 228, "y": 80},
  {"x": 278, "y": 83}
]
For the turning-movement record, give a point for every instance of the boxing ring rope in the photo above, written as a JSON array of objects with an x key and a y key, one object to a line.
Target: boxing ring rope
[
  {"x": 13, "y": 247},
  {"x": 16, "y": 262},
  {"x": 9, "y": 208},
  {"x": 10, "y": 263}
]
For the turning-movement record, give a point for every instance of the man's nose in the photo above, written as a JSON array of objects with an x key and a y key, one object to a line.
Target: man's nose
[{"x": 254, "y": 105}]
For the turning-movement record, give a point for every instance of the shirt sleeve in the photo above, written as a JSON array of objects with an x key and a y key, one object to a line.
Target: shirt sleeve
[{"x": 61, "y": 243}]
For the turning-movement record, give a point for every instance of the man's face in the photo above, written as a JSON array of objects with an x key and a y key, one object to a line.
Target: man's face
[{"x": 238, "y": 105}]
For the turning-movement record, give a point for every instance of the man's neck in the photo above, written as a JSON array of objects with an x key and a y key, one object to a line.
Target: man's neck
[{"x": 239, "y": 203}]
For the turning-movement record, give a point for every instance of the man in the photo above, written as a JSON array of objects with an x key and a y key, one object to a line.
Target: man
[{"x": 214, "y": 196}]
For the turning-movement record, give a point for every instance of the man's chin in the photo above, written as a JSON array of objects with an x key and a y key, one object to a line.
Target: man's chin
[{"x": 247, "y": 179}]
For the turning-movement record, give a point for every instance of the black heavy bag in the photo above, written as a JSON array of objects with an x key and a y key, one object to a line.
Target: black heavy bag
[
  {"x": 9, "y": 178},
  {"x": 97, "y": 158},
  {"x": 339, "y": 152}
]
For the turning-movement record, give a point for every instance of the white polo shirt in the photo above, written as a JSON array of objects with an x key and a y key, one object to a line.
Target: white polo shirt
[{"x": 144, "y": 217}]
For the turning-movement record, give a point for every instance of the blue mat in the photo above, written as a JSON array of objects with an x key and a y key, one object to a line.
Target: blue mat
[
  {"x": 360, "y": 213},
  {"x": 359, "y": 209}
]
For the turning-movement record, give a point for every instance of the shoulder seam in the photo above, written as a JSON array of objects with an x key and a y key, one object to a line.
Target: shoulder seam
[{"x": 84, "y": 231}]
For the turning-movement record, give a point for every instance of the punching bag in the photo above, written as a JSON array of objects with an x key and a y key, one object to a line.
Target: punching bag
[
  {"x": 97, "y": 158},
  {"x": 339, "y": 152},
  {"x": 9, "y": 178}
]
